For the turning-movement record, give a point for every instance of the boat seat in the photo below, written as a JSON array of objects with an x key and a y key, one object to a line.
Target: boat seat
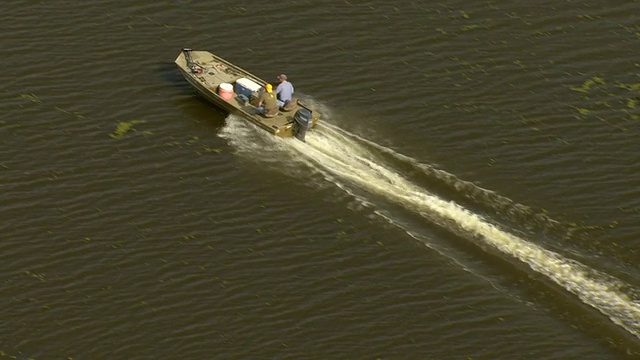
[{"x": 290, "y": 105}]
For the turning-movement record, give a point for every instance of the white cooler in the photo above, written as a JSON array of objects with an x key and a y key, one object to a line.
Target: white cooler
[{"x": 246, "y": 87}]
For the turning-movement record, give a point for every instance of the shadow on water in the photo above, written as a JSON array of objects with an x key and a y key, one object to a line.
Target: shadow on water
[
  {"x": 187, "y": 99},
  {"x": 169, "y": 73}
]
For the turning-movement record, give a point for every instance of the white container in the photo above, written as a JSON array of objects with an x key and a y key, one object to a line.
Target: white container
[
  {"x": 225, "y": 90},
  {"x": 246, "y": 87}
]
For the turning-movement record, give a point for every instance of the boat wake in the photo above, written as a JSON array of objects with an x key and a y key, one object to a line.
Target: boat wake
[{"x": 367, "y": 170}]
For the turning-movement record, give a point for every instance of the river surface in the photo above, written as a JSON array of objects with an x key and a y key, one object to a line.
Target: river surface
[{"x": 472, "y": 192}]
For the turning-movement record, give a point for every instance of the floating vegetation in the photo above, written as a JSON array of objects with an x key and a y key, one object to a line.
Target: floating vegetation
[
  {"x": 38, "y": 276},
  {"x": 193, "y": 140},
  {"x": 124, "y": 127},
  {"x": 72, "y": 113},
  {"x": 238, "y": 10},
  {"x": 613, "y": 104},
  {"x": 583, "y": 111},
  {"x": 520, "y": 64},
  {"x": 589, "y": 17},
  {"x": 5, "y": 355},
  {"x": 34, "y": 98},
  {"x": 633, "y": 87},
  {"x": 586, "y": 86},
  {"x": 31, "y": 97},
  {"x": 474, "y": 27},
  {"x": 212, "y": 150}
]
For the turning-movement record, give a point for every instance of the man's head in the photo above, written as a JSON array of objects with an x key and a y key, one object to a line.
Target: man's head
[
  {"x": 282, "y": 77},
  {"x": 269, "y": 88}
]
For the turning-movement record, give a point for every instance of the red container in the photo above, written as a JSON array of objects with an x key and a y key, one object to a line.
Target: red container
[{"x": 225, "y": 90}]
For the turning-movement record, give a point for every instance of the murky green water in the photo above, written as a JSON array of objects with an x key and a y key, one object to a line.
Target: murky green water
[{"x": 472, "y": 193}]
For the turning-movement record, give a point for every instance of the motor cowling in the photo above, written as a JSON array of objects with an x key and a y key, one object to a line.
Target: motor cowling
[{"x": 301, "y": 123}]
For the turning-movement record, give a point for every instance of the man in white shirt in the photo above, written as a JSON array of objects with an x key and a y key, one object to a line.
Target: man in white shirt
[{"x": 284, "y": 90}]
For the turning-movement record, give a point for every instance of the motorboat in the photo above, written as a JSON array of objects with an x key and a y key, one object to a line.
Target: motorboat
[{"x": 236, "y": 91}]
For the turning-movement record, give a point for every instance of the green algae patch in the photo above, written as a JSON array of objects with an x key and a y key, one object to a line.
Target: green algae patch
[
  {"x": 39, "y": 276},
  {"x": 633, "y": 87},
  {"x": 35, "y": 99},
  {"x": 614, "y": 103},
  {"x": 583, "y": 111},
  {"x": 193, "y": 140},
  {"x": 587, "y": 85},
  {"x": 31, "y": 97},
  {"x": 6, "y": 355},
  {"x": 71, "y": 113},
  {"x": 212, "y": 150},
  {"x": 123, "y": 127},
  {"x": 474, "y": 27}
]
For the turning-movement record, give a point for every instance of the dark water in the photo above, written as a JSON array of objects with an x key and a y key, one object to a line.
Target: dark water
[{"x": 472, "y": 193}]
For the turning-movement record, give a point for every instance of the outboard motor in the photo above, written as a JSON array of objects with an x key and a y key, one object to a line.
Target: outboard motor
[{"x": 301, "y": 123}]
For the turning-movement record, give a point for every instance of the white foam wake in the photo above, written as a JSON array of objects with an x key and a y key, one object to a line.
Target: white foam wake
[{"x": 342, "y": 158}]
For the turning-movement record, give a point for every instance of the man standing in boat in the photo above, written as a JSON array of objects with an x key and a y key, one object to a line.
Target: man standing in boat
[
  {"x": 284, "y": 90},
  {"x": 267, "y": 102}
]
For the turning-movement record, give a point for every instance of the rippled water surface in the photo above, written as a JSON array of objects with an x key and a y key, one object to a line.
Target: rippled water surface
[{"x": 471, "y": 192}]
